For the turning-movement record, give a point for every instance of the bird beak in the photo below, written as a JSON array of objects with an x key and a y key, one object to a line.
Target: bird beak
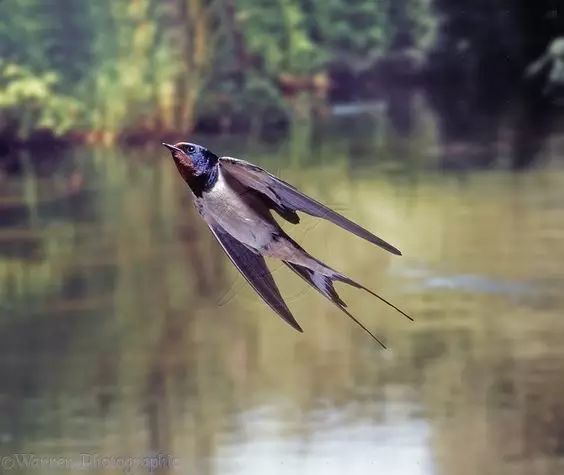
[{"x": 172, "y": 148}]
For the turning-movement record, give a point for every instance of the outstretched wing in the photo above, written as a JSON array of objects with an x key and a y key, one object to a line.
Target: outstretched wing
[
  {"x": 286, "y": 197},
  {"x": 254, "y": 269}
]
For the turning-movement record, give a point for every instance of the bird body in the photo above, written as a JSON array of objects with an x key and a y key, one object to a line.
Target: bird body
[
  {"x": 235, "y": 199},
  {"x": 231, "y": 206},
  {"x": 228, "y": 205}
]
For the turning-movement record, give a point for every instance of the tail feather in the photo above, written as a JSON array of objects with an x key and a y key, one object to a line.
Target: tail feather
[
  {"x": 346, "y": 280},
  {"x": 324, "y": 285}
]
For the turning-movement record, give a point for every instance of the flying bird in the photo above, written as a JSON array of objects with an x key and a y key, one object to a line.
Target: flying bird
[{"x": 236, "y": 198}]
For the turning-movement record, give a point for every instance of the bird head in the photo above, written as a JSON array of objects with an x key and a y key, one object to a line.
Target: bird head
[{"x": 192, "y": 160}]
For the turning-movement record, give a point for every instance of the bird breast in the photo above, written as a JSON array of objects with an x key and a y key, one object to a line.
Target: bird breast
[{"x": 239, "y": 212}]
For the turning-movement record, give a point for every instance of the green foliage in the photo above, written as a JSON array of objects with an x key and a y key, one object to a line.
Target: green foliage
[
  {"x": 358, "y": 28},
  {"x": 277, "y": 33},
  {"x": 30, "y": 102},
  {"x": 116, "y": 67}
]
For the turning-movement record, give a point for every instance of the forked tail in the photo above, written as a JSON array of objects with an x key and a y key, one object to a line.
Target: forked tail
[{"x": 324, "y": 285}]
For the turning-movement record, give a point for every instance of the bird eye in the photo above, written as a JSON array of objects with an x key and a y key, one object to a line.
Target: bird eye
[{"x": 190, "y": 148}]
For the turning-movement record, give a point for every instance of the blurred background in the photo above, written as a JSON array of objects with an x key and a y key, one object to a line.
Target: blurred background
[{"x": 124, "y": 330}]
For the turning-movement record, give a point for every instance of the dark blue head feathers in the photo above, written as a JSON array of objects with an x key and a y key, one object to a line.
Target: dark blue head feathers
[
  {"x": 196, "y": 164},
  {"x": 202, "y": 159}
]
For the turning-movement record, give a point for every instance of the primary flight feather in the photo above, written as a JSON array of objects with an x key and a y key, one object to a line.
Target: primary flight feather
[{"x": 235, "y": 199}]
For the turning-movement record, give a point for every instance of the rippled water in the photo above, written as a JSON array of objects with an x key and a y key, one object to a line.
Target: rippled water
[{"x": 124, "y": 330}]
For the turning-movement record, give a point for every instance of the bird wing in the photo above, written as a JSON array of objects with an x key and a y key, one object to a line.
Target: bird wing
[
  {"x": 254, "y": 269},
  {"x": 285, "y": 196}
]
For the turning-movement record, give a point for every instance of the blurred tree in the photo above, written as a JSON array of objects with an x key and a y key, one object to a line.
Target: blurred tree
[
  {"x": 30, "y": 103},
  {"x": 163, "y": 66}
]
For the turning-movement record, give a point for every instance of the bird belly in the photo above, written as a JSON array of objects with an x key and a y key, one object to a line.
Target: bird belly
[
  {"x": 240, "y": 214},
  {"x": 245, "y": 217},
  {"x": 286, "y": 250}
]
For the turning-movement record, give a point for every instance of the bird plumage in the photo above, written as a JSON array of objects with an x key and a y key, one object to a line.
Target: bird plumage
[{"x": 235, "y": 199}]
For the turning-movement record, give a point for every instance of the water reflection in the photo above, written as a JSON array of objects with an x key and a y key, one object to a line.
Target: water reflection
[{"x": 116, "y": 336}]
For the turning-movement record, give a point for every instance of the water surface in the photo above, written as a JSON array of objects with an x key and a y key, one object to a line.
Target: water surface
[{"x": 124, "y": 330}]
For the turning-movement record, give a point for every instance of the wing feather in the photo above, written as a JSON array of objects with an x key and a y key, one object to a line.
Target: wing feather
[
  {"x": 285, "y": 195},
  {"x": 253, "y": 267}
]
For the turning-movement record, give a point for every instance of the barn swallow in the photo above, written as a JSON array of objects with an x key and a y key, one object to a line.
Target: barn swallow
[{"x": 235, "y": 199}]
